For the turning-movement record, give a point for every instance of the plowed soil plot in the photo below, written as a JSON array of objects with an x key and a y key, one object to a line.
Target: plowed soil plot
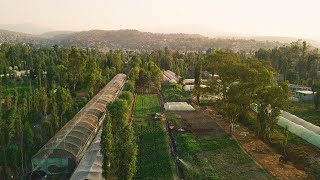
[
  {"x": 206, "y": 152},
  {"x": 200, "y": 124}
]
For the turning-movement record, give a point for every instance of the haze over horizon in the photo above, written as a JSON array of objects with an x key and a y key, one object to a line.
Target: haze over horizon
[{"x": 207, "y": 17}]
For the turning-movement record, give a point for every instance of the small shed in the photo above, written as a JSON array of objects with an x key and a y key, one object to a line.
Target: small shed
[{"x": 188, "y": 81}]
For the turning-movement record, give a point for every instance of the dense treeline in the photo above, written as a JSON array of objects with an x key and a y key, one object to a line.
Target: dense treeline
[
  {"x": 118, "y": 144},
  {"x": 297, "y": 62},
  {"x": 41, "y": 90}
]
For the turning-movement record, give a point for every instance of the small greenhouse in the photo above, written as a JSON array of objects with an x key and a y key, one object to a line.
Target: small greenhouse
[
  {"x": 171, "y": 75},
  {"x": 188, "y": 81},
  {"x": 191, "y": 87},
  {"x": 178, "y": 106},
  {"x": 300, "y": 131},
  {"x": 302, "y": 122},
  {"x": 165, "y": 78}
]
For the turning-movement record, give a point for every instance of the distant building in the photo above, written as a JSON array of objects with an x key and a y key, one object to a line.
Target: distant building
[
  {"x": 304, "y": 95},
  {"x": 294, "y": 88}
]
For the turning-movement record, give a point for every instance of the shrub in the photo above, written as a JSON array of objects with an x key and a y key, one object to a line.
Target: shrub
[
  {"x": 129, "y": 86},
  {"x": 126, "y": 95}
]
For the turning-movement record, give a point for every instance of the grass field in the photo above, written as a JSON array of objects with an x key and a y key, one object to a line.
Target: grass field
[
  {"x": 154, "y": 160},
  {"x": 306, "y": 111},
  {"x": 214, "y": 157}
]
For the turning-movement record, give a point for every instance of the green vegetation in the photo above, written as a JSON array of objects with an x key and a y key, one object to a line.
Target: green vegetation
[
  {"x": 174, "y": 93},
  {"x": 154, "y": 161},
  {"x": 118, "y": 143},
  {"x": 146, "y": 106},
  {"x": 306, "y": 111},
  {"x": 214, "y": 157},
  {"x": 41, "y": 90}
]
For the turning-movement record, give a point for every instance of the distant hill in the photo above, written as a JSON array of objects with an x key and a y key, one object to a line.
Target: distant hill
[
  {"x": 52, "y": 34},
  {"x": 133, "y": 39},
  {"x": 27, "y": 28},
  {"x": 16, "y": 37}
]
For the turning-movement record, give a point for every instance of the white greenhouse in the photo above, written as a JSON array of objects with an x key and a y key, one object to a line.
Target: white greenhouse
[
  {"x": 300, "y": 131},
  {"x": 178, "y": 106},
  {"x": 302, "y": 122}
]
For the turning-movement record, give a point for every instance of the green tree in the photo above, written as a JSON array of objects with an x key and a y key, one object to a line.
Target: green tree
[
  {"x": 107, "y": 146},
  {"x": 128, "y": 153},
  {"x": 92, "y": 75},
  {"x": 76, "y": 66},
  {"x": 118, "y": 112},
  {"x": 65, "y": 102},
  {"x": 126, "y": 95},
  {"x": 270, "y": 99},
  {"x": 144, "y": 79},
  {"x": 28, "y": 141}
]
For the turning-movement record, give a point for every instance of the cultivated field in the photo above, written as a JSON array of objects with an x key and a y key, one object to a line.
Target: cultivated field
[
  {"x": 154, "y": 159},
  {"x": 207, "y": 152}
]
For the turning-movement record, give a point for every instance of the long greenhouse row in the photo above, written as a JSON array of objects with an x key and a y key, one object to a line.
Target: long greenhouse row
[
  {"x": 60, "y": 156},
  {"x": 300, "y": 127}
]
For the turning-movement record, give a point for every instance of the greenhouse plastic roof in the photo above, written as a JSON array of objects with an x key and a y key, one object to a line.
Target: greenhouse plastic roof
[
  {"x": 300, "y": 131},
  {"x": 75, "y": 136},
  {"x": 171, "y": 75},
  {"x": 178, "y": 106},
  {"x": 302, "y": 122},
  {"x": 90, "y": 166}
]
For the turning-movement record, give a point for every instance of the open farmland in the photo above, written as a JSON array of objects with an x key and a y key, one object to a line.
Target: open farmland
[
  {"x": 154, "y": 160},
  {"x": 207, "y": 152}
]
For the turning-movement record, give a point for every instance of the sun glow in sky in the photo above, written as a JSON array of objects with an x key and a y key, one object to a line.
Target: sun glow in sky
[{"x": 295, "y": 18}]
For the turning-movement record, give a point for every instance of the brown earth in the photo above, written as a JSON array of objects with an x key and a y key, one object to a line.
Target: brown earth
[{"x": 200, "y": 124}]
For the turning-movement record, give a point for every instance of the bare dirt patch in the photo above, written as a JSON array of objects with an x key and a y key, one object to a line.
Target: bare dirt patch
[{"x": 200, "y": 124}]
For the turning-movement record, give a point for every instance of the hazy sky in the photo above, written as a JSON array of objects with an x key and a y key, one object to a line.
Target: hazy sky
[{"x": 297, "y": 18}]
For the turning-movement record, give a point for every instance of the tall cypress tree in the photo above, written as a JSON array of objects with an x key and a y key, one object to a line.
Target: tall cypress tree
[{"x": 106, "y": 146}]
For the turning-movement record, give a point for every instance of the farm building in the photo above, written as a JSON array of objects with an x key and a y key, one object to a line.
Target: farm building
[
  {"x": 178, "y": 106},
  {"x": 304, "y": 95},
  {"x": 188, "y": 81},
  {"x": 295, "y": 87},
  {"x": 191, "y": 87},
  {"x": 62, "y": 153}
]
